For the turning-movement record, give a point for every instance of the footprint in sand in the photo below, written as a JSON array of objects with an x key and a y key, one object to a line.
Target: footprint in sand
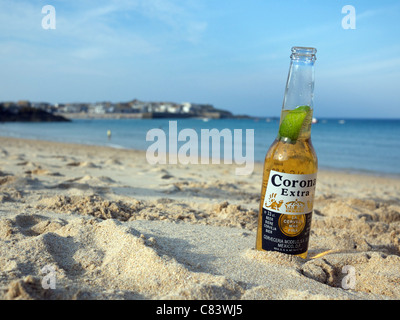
[
  {"x": 167, "y": 176},
  {"x": 10, "y": 195},
  {"x": 42, "y": 172},
  {"x": 34, "y": 225},
  {"x": 86, "y": 164},
  {"x": 18, "y": 157},
  {"x": 96, "y": 184},
  {"x": 113, "y": 162},
  {"x": 24, "y": 163},
  {"x": 3, "y": 153},
  {"x": 6, "y": 179},
  {"x": 330, "y": 270}
]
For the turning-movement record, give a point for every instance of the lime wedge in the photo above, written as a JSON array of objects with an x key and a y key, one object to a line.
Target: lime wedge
[{"x": 292, "y": 123}]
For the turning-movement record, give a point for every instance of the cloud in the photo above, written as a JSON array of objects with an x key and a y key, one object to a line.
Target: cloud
[
  {"x": 180, "y": 16},
  {"x": 93, "y": 28},
  {"x": 96, "y": 44},
  {"x": 383, "y": 10}
]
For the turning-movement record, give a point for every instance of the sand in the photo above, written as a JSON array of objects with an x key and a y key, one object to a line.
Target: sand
[{"x": 87, "y": 222}]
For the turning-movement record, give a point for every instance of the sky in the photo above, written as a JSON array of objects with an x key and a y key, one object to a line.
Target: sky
[{"x": 233, "y": 54}]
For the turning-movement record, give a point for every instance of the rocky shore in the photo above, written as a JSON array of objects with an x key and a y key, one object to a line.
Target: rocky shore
[
  {"x": 25, "y": 110},
  {"x": 28, "y": 114}
]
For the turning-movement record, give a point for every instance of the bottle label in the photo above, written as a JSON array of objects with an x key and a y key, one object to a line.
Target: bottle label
[{"x": 287, "y": 211}]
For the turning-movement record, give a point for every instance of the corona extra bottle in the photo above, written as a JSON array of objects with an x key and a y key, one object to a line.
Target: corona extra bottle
[{"x": 290, "y": 167}]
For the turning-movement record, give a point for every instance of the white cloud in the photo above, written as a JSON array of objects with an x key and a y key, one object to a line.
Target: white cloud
[
  {"x": 384, "y": 10},
  {"x": 92, "y": 28}
]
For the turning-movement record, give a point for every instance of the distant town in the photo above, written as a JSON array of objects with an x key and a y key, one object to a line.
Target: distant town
[{"x": 100, "y": 110}]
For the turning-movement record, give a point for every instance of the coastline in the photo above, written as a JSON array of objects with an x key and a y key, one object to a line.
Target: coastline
[
  {"x": 114, "y": 227},
  {"x": 90, "y": 116},
  {"x": 257, "y": 163}
]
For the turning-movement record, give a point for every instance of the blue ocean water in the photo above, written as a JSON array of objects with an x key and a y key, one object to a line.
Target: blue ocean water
[{"x": 360, "y": 145}]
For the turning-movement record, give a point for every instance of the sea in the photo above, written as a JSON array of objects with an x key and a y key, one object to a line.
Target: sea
[{"x": 355, "y": 145}]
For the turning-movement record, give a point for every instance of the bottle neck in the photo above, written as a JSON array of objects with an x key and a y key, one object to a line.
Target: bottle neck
[
  {"x": 299, "y": 95},
  {"x": 300, "y": 84}
]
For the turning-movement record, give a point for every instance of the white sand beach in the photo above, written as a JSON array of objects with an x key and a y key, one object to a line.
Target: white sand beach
[{"x": 111, "y": 226}]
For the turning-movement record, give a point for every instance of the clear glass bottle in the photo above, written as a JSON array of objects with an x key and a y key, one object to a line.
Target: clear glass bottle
[{"x": 291, "y": 166}]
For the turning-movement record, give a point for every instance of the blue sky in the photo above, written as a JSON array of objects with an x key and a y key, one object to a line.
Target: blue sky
[{"x": 230, "y": 53}]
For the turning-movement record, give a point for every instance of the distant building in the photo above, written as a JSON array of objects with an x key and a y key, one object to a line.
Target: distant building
[
  {"x": 23, "y": 103},
  {"x": 99, "y": 109},
  {"x": 162, "y": 109},
  {"x": 137, "y": 106},
  {"x": 186, "y": 107},
  {"x": 196, "y": 109}
]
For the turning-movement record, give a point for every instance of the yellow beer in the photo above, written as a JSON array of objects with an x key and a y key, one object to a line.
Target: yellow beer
[{"x": 291, "y": 165}]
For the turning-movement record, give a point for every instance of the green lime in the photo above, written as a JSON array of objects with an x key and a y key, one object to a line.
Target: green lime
[{"x": 292, "y": 123}]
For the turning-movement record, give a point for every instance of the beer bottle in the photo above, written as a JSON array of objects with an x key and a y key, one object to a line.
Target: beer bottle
[{"x": 290, "y": 167}]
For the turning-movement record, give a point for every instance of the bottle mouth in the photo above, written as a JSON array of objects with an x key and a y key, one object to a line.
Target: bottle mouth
[{"x": 304, "y": 53}]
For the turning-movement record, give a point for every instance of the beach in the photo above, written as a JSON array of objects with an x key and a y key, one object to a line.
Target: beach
[{"x": 102, "y": 223}]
